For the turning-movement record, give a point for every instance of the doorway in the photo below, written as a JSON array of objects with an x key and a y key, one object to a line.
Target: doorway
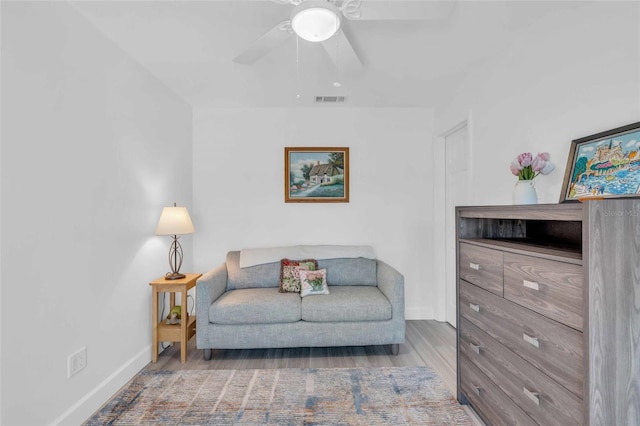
[{"x": 457, "y": 176}]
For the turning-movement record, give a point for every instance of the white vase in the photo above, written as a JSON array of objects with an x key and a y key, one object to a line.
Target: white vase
[{"x": 525, "y": 192}]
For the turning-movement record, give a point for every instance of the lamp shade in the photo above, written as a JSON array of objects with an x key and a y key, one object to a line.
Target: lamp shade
[
  {"x": 174, "y": 221},
  {"x": 315, "y": 20}
]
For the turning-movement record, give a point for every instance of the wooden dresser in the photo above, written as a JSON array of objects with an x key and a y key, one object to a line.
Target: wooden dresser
[{"x": 549, "y": 313}]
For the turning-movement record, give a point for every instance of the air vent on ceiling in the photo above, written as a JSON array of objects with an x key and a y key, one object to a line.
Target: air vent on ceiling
[{"x": 331, "y": 99}]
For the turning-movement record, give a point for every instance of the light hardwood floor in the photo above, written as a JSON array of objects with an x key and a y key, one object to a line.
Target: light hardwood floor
[{"x": 429, "y": 343}]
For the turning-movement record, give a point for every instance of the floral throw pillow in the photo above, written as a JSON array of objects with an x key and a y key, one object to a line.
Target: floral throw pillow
[
  {"x": 313, "y": 282},
  {"x": 289, "y": 275}
]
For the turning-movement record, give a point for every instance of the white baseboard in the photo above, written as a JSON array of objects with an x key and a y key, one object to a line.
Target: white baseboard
[
  {"x": 419, "y": 313},
  {"x": 95, "y": 398}
]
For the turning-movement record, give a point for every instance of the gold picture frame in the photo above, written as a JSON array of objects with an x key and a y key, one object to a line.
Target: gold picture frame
[{"x": 316, "y": 175}]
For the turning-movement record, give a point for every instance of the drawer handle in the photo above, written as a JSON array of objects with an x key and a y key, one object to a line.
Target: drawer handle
[
  {"x": 533, "y": 341},
  {"x": 533, "y": 396},
  {"x": 475, "y": 348},
  {"x": 531, "y": 284},
  {"x": 474, "y": 307},
  {"x": 475, "y": 266},
  {"x": 476, "y": 388}
]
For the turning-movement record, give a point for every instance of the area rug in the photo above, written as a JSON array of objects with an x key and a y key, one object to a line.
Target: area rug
[{"x": 323, "y": 396}]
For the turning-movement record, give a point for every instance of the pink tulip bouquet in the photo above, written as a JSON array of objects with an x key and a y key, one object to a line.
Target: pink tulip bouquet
[{"x": 526, "y": 167}]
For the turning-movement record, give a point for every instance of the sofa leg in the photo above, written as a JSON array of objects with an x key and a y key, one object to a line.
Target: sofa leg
[
  {"x": 395, "y": 348},
  {"x": 207, "y": 354}
]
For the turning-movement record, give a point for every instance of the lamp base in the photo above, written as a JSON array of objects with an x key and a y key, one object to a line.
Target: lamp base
[{"x": 174, "y": 276}]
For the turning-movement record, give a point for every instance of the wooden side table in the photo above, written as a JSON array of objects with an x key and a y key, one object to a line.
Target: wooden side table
[{"x": 163, "y": 332}]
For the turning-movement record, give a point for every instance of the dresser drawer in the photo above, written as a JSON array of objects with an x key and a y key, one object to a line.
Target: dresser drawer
[
  {"x": 482, "y": 267},
  {"x": 551, "y": 288},
  {"x": 493, "y": 405},
  {"x": 544, "y": 400},
  {"x": 552, "y": 347}
]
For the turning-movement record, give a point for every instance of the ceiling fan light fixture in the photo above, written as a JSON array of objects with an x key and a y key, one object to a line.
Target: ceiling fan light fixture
[{"x": 315, "y": 20}]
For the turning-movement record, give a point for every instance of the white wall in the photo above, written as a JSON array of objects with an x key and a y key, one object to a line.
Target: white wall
[
  {"x": 239, "y": 186},
  {"x": 92, "y": 148},
  {"x": 573, "y": 73}
]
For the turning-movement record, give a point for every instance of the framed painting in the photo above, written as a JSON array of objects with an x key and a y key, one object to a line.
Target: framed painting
[
  {"x": 604, "y": 165},
  {"x": 316, "y": 175}
]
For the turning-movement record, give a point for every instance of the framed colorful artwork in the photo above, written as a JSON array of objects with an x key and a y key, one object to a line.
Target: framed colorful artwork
[
  {"x": 316, "y": 175},
  {"x": 604, "y": 165}
]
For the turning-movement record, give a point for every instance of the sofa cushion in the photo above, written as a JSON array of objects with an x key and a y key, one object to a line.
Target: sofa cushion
[
  {"x": 313, "y": 282},
  {"x": 289, "y": 275},
  {"x": 259, "y": 276},
  {"x": 350, "y": 271},
  {"x": 255, "y": 306},
  {"x": 347, "y": 303}
]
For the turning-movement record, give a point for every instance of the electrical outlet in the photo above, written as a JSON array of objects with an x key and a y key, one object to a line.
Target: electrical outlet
[{"x": 76, "y": 361}]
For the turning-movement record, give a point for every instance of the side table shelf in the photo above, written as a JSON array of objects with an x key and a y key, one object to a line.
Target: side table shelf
[
  {"x": 163, "y": 332},
  {"x": 172, "y": 332}
]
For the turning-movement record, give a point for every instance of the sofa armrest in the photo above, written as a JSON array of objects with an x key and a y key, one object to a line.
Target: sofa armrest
[
  {"x": 209, "y": 288},
  {"x": 391, "y": 284}
]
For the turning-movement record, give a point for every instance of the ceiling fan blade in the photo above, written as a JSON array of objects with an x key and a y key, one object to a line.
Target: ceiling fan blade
[
  {"x": 265, "y": 44},
  {"x": 400, "y": 10},
  {"x": 341, "y": 52}
]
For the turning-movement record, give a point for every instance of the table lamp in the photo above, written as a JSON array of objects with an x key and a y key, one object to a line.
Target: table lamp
[{"x": 174, "y": 221}]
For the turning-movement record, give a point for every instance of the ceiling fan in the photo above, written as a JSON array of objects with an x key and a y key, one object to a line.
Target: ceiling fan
[{"x": 321, "y": 21}]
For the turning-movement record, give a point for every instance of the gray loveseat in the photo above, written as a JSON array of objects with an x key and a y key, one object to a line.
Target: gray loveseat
[{"x": 241, "y": 308}]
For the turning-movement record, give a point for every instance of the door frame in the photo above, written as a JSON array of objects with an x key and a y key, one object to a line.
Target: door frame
[{"x": 439, "y": 214}]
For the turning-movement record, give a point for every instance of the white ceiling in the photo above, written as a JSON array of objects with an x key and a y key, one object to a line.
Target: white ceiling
[{"x": 190, "y": 46}]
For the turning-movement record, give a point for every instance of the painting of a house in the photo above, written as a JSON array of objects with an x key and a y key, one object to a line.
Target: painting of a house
[
  {"x": 316, "y": 174},
  {"x": 322, "y": 173}
]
